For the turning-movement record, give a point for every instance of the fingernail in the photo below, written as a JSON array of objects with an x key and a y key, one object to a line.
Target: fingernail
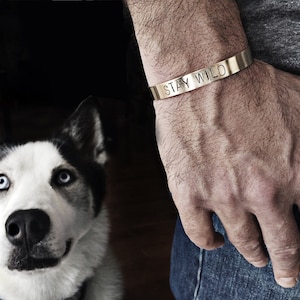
[{"x": 287, "y": 282}]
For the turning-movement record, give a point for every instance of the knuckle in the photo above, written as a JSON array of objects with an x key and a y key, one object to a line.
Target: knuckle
[
  {"x": 286, "y": 255},
  {"x": 251, "y": 248},
  {"x": 253, "y": 253},
  {"x": 261, "y": 192}
]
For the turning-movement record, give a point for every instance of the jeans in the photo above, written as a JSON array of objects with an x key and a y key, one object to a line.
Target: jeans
[{"x": 221, "y": 274}]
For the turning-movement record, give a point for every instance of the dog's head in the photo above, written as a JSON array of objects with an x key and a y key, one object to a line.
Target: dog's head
[{"x": 50, "y": 195}]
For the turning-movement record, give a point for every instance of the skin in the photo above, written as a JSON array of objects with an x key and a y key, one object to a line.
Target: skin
[{"x": 232, "y": 147}]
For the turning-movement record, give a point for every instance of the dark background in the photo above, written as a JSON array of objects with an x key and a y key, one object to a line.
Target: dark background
[{"x": 58, "y": 52}]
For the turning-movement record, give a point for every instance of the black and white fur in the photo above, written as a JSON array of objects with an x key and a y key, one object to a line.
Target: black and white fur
[{"x": 54, "y": 228}]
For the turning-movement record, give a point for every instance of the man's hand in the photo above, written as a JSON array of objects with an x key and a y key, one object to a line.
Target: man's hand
[{"x": 233, "y": 148}]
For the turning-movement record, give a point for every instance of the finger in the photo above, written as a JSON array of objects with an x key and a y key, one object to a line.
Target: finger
[
  {"x": 244, "y": 233},
  {"x": 282, "y": 239},
  {"x": 198, "y": 226}
]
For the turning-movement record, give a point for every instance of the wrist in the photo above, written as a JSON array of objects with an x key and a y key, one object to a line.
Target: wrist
[
  {"x": 203, "y": 77},
  {"x": 230, "y": 93}
]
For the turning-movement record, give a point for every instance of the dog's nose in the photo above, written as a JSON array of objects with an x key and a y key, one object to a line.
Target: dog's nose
[{"x": 27, "y": 226}]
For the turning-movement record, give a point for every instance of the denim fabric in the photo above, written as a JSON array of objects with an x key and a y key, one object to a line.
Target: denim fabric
[{"x": 221, "y": 274}]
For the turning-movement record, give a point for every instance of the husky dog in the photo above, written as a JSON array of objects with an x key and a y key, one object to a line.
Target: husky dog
[{"x": 54, "y": 228}]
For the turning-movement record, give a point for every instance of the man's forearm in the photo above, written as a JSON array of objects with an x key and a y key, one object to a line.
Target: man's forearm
[
  {"x": 229, "y": 147},
  {"x": 179, "y": 37}
]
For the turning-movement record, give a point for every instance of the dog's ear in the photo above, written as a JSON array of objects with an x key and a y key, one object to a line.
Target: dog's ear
[{"x": 86, "y": 131}]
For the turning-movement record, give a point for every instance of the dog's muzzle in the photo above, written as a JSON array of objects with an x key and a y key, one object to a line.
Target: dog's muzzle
[{"x": 26, "y": 229}]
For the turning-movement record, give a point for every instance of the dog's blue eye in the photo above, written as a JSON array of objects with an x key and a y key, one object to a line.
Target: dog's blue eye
[
  {"x": 64, "y": 177},
  {"x": 4, "y": 183}
]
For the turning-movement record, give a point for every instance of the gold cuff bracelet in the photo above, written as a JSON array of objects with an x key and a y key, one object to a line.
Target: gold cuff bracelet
[{"x": 202, "y": 77}]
